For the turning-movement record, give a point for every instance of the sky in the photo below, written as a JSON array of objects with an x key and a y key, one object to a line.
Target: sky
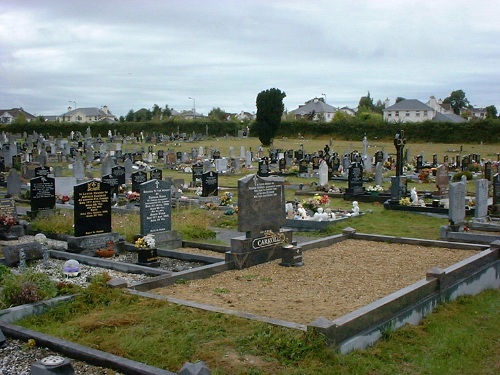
[{"x": 131, "y": 54}]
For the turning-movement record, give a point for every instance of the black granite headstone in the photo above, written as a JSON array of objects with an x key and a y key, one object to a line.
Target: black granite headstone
[
  {"x": 496, "y": 189},
  {"x": 197, "y": 169},
  {"x": 355, "y": 178},
  {"x": 42, "y": 193},
  {"x": 487, "y": 170},
  {"x": 92, "y": 210},
  {"x": 156, "y": 174},
  {"x": 210, "y": 184},
  {"x": 118, "y": 172},
  {"x": 263, "y": 169},
  {"x": 282, "y": 164},
  {"x": 138, "y": 178},
  {"x": 155, "y": 206},
  {"x": 112, "y": 182},
  {"x": 42, "y": 171},
  {"x": 303, "y": 165}
]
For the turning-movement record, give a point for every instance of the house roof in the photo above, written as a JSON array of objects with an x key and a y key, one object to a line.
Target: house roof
[
  {"x": 316, "y": 105},
  {"x": 15, "y": 112},
  {"x": 409, "y": 105},
  {"x": 91, "y": 111},
  {"x": 449, "y": 117}
]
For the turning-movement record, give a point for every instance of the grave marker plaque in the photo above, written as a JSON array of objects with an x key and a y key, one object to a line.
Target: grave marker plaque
[
  {"x": 42, "y": 171},
  {"x": 43, "y": 193},
  {"x": 92, "y": 212},
  {"x": 155, "y": 206},
  {"x": 8, "y": 207}
]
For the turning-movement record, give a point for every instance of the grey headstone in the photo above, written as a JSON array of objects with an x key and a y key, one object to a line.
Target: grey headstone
[
  {"x": 261, "y": 204},
  {"x": 456, "y": 211},
  {"x": 378, "y": 174},
  {"x": 323, "y": 173},
  {"x": 13, "y": 183},
  {"x": 155, "y": 206},
  {"x": 481, "y": 209}
]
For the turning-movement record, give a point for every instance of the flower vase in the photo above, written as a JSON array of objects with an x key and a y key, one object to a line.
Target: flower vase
[
  {"x": 148, "y": 257},
  {"x": 374, "y": 193}
]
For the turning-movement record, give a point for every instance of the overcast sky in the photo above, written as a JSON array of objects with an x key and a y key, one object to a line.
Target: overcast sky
[{"x": 131, "y": 54}]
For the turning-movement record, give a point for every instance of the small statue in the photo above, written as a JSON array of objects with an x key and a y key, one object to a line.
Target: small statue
[
  {"x": 414, "y": 196},
  {"x": 301, "y": 211},
  {"x": 355, "y": 208},
  {"x": 320, "y": 215}
]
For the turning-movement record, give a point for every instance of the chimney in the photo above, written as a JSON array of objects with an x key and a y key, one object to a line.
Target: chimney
[
  {"x": 387, "y": 103},
  {"x": 69, "y": 108}
]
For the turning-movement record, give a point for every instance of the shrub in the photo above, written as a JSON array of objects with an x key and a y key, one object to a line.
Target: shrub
[{"x": 458, "y": 176}]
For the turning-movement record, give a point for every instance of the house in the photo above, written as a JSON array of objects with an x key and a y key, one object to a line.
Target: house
[
  {"x": 91, "y": 114},
  {"x": 315, "y": 109},
  {"x": 189, "y": 115},
  {"x": 8, "y": 116},
  {"x": 413, "y": 110},
  {"x": 474, "y": 113},
  {"x": 245, "y": 116},
  {"x": 439, "y": 106}
]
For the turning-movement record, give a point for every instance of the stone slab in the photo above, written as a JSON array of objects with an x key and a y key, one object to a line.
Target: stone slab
[{"x": 33, "y": 250}]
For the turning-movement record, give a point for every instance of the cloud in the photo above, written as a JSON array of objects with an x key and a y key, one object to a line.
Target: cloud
[{"x": 132, "y": 54}]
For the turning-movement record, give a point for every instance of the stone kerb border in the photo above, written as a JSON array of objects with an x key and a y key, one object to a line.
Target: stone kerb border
[{"x": 363, "y": 327}]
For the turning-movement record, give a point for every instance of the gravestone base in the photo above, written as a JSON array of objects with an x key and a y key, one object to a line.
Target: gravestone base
[
  {"x": 87, "y": 245},
  {"x": 14, "y": 233},
  {"x": 32, "y": 250},
  {"x": 167, "y": 240},
  {"x": 245, "y": 252}
]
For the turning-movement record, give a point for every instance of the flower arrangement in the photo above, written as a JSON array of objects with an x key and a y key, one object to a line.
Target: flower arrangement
[
  {"x": 226, "y": 199},
  {"x": 424, "y": 175},
  {"x": 376, "y": 188},
  {"x": 407, "y": 168},
  {"x": 315, "y": 202},
  {"x": 405, "y": 201},
  {"x": 146, "y": 242},
  {"x": 132, "y": 196},
  {"x": 7, "y": 222},
  {"x": 63, "y": 199}
]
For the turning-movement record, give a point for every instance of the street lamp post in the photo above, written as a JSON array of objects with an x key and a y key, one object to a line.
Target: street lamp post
[{"x": 194, "y": 106}]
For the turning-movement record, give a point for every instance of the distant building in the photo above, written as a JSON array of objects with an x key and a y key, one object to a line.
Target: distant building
[
  {"x": 245, "y": 116},
  {"x": 8, "y": 116},
  {"x": 88, "y": 115},
  {"x": 315, "y": 109},
  {"x": 189, "y": 115},
  {"x": 413, "y": 110},
  {"x": 474, "y": 113}
]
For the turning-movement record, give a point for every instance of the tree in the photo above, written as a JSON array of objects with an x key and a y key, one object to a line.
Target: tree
[
  {"x": 218, "y": 114},
  {"x": 457, "y": 100},
  {"x": 491, "y": 111},
  {"x": 270, "y": 108},
  {"x": 400, "y": 99},
  {"x": 167, "y": 112},
  {"x": 366, "y": 102},
  {"x": 130, "y": 116}
]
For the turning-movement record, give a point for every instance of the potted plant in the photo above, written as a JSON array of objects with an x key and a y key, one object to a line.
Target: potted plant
[{"x": 374, "y": 189}]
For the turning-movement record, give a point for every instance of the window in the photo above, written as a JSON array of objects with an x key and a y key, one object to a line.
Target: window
[
  {"x": 389, "y": 114},
  {"x": 397, "y": 113},
  {"x": 425, "y": 113},
  {"x": 417, "y": 114},
  {"x": 407, "y": 114}
]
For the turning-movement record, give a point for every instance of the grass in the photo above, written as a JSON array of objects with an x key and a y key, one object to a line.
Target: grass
[{"x": 461, "y": 337}]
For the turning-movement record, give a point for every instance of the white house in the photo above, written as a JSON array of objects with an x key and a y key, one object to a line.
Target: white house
[
  {"x": 8, "y": 116},
  {"x": 91, "y": 114},
  {"x": 413, "y": 110},
  {"x": 315, "y": 109}
]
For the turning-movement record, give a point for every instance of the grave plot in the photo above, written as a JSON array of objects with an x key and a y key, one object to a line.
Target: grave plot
[{"x": 334, "y": 280}]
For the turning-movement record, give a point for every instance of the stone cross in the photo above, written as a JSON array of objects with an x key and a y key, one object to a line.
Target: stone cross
[{"x": 399, "y": 143}]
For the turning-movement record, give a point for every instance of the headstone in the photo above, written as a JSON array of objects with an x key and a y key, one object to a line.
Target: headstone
[
  {"x": 197, "y": 170},
  {"x": 261, "y": 204},
  {"x": 355, "y": 179},
  {"x": 303, "y": 166},
  {"x": 481, "y": 207},
  {"x": 64, "y": 186},
  {"x": 8, "y": 207},
  {"x": 42, "y": 193},
  {"x": 128, "y": 164},
  {"x": 92, "y": 209},
  {"x": 210, "y": 184},
  {"x": 456, "y": 212},
  {"x": 13, "y": 183},
  {"x": 155, "y": 206},
  {"x": 79, "y": 169},
  {"x": 42, "y": 171},
  {"x": 112, "y": 182},
  {"x": 221, "y": 165},
  {"x": 496, "y": 189},
  {"x": 379, "y": 174},
  {"x": 323, "y": 173},
  {"x": 263, "y": 168},
  {"x": 156, "y": 174},
  {"x": 248, "y": 159},
  {"x": 118, "y": 172},
  {"x": 138, "y": 178},
  {"x": 487, "y": 170}
]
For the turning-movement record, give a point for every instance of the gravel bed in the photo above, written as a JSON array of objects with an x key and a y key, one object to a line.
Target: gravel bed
[{"x": 16, "y": 358}]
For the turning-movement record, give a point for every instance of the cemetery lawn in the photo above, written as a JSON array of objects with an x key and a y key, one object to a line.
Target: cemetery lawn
[{"x": 461, "y": 337}]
